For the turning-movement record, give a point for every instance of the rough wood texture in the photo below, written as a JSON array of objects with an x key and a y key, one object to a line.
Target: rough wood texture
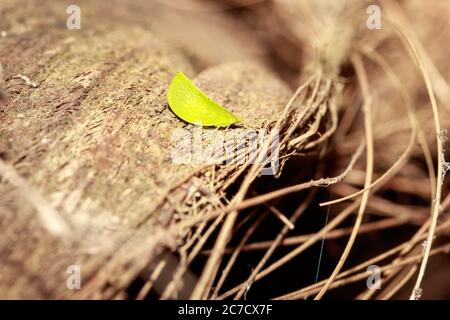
[{"x": 90, "y": 133}]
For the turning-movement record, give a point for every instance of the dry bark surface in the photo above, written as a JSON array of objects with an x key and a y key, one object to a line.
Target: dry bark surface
[{"x": 91, "y": 133}]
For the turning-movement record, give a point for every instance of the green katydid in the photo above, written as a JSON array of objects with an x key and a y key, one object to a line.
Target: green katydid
[{"x": 189, "y": 103}]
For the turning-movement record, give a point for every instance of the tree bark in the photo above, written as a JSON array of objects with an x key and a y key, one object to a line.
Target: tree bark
[{"x": 84, "y": 138}]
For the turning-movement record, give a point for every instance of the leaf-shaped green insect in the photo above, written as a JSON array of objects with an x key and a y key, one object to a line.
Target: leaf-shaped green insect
[{"x": 190, "y": 104}]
